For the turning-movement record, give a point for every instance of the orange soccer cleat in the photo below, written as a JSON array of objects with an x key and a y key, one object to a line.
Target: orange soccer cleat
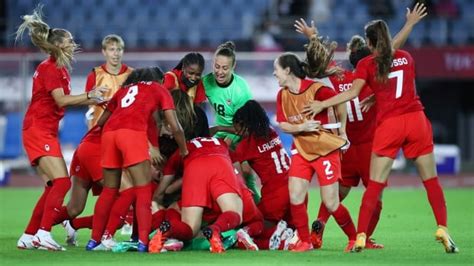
[
  {"x": 157, "y": 243},
  {"x": 215, "y": 240},
  {"x": 360, "y": 242},
  {"x": 371, "y": 244},
  {"x": 443, "y": 237},
  {"x": 301, "y": 246},
  {"x": 350, "y": 246},
  {"x": 317, "y": 229}
]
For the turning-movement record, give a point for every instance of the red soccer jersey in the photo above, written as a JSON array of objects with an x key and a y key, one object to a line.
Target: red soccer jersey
[
  {"x": 43, "y": 111},
  {"x": 133, "y": 105},
  {"x": 398, "y": 95},
  {"x": 170, "y": 83},
  {"x": 93, "y": 135},
  {"x": 360, "y": 126},
  {"x": 197, "y": 147},
  {"x": 152, "y": 132},
  {"x": 267, "y": 157},
  {"x": 322, "y": 94}
]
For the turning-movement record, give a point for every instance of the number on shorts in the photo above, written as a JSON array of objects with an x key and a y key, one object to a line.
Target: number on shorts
[
  {"x": 280, "y": 161},
  {"x": 129, "y": 97},
  {"x": 358, "y": 112},
  {"x": 399, "y": 76},
  {"x": 328, "y": 170},
  {"x": 197, "y": 142}
]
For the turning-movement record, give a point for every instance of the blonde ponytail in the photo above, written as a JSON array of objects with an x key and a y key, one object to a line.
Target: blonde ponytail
[
  {"x": 319, "y": 55},
  {"x": 47, "y": 39}
]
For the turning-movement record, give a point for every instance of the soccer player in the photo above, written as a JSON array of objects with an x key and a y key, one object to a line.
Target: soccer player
[
  {"x": 208, "y": 178},
  {"x": 51, "y": 89},
  {"x": 391, "y": 75},
  {"x": 111, "y": 74},
  {"x": 125, "y": 145},
  {"x": 186, "y": 76},
  {"x": 315, "y": 148},
  {"x": 360, "y": 127},
  {"x": 227, "y": 92}
]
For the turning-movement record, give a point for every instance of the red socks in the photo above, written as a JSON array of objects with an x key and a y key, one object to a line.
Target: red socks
[
  {"x": 226, "y": 221},
  {"x": 101, "y": 212},
  {"x": 54, "y": 201},
  {"x": 82, "y": 222},
  {"x": 343, "y": 219},
  {"x": 37, "y": 214},
  {"x": 369, "y": 202},
  {"x": 436, "y": 199},
  {"x": 119, "y": 210},
  {"x": 375, "y": 218},
  {"x": 180, "y": 230},
  {"x": 300, "y": 220},
  {"x": 62, "y": 215},
  {"x": 323, "y": 214},
  {"x": 157, "y": 218},
  {"x": 143, "y": 211}
]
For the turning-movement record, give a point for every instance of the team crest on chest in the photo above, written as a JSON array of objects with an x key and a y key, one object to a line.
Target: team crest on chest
[
  {"x": 46, "y": 147},
  {"x": 228, "y": 101}
]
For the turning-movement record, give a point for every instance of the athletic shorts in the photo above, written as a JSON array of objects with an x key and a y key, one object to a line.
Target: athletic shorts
[
  {"x": 355, "y": 165},
  {"x": 327, "y": 168},
  {"x": 412, "y": 132},
  {"x": 86, "y": 162},
  {"x": 39, "y": 143},
  {"x": 275, "y": 204},
  {"x": 205, "y": 179},
  {"x": 123, "y": 148}
]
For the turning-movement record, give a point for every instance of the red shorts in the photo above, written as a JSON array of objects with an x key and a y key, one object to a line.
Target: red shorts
[
  {"x": 412, "y": 132},
  {"x": 124, "y": 147},
  {"x": 327, "y": 168},
  {"x": 39, "y": 143},
  {"x": 355, "y": 165},
  {"x": 205, "y": 179},
  {"x": 86, "y": 162},
  {"x": 275, "y": 204}
]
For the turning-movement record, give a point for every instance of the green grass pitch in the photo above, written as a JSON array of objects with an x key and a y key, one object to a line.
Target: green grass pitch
[{"x": 406, "y": 229}]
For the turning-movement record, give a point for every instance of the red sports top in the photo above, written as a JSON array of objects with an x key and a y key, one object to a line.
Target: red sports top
[
  {"x": 398, "y": 95},
  {"x": 133, "y": 105},
  {"x": 267, "y": 157},
  {"x": 360, "y": 127},
  {"x": 43, "y": 112},
  {"x": 170, "y": 83}
]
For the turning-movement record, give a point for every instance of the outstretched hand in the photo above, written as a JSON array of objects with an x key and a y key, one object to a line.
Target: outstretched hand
[
  {"x": 98, "y": 94},
  {"x": 367, "y": 103},
  {"x": 313, "y": 108},
  {"x": 303, "y": 28},
  {"x": 416, "y": 14}
]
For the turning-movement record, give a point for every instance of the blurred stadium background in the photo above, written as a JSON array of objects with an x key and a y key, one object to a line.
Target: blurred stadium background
[{"x": 160, "y": 32}]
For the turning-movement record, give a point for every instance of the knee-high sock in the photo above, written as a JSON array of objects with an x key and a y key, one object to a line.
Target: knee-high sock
[
  {"x": 254, "y": 228},
  {"x": 157, "y": 218},
  {"x": 344, "y": 220},
  {"x": 119, "y": 211},
  {"x": 61, "y": 216},
  {"x": 172, "y": 214},
  {"x": 143, "y": 211},
  {"x": 54, "y": 201},
  {"x": 299, "y": 216},
  {"x": 437, "y": 201},
  {"x": 82, "y": 222},
  {"x": 375, "y": 218},
  {"x": 226, "y": 221},
  {"x": 180, "y": 230},
  {"x": 323, "y": 214},
  {"x": 35, "y": 220},
  {"x": 369, "y": 201},
  {"x": 102, "y": 211}
]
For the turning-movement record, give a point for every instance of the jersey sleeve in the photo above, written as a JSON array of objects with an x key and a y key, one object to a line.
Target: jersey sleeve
[
  {"x": 173, "y": 164},
  {"x": 362, "y": 70},
  {"x": 90, "y": 83},
  {"x": 164, "y": 98},
  {"x": 324, "y": 93},
  {"x": 280, "y": 117},
  {"x": 200, "y": 96},
  {"x": 169, "y": 81},
  {"x": 52, "y": 78}
]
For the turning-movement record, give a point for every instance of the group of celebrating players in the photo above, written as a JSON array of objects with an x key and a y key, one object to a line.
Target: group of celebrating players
[{"x": 151, "y": 156}]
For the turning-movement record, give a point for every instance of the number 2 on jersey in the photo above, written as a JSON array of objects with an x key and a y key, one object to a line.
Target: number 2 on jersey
[
  {"x": 129, "y": 97},
  {"x": 280, "y": 161}
]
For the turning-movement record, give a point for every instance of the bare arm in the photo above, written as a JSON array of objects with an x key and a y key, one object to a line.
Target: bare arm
[
  {"x": 88, "y": 98},
  {"x": 307, "y": 126},
  {"x": 177, "y": 130},
  {"x": 342, "y": 114},
  {"x": 315, "y": 107},
  {"x": 412, "y": 18},
  {"x": 104, "y": 117},
  {"x": 159, "y": 194}
]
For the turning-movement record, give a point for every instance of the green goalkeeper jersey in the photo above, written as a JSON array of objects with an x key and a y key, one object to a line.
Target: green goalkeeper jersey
[{"x": 226, "y": 100}]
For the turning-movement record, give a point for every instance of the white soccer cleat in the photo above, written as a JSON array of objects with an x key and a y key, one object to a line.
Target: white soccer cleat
[
  {"x": 107, "y": 242},
  {"x": 127, "y": 229},
  {"x": 71, "y": 233},
  {"x": 275, "y": 239},
  {"x": 172, "y": 244},
  {"x": 25, "y": 242},
  {"x": 244, "y": 238},
  {"x": 44, "y": 240},
  {"x": 291, "y": 241}
]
